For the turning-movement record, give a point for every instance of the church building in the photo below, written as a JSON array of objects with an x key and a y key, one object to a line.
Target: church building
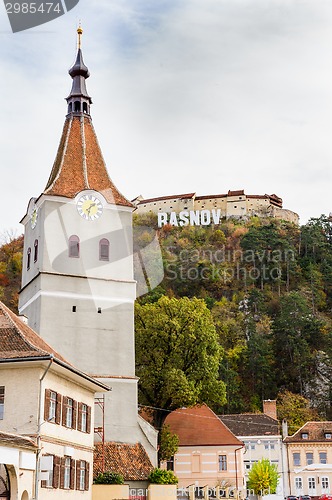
[{"x": 78, "y": 289}]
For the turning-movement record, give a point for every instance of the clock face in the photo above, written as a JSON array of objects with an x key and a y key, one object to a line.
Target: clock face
[
  {"x": 33, "y": 218},
  {"x": 89, "y": 207}
]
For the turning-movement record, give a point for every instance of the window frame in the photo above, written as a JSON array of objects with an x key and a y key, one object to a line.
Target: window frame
[
  {"x": 104, "y": 244},
  {"x": 321, "y": 459},
  {"x": 2, "y": 402},
  {"x": 222, "y": 463},
  {"x": 311, "y": 483},
  {"x": 309, "y": 458},
  {"x": 298, "y": 483},
  {"x": 74, "y": 243},
  {"x": 325, "y": 479},
  {"x": 296, "y": 462}
]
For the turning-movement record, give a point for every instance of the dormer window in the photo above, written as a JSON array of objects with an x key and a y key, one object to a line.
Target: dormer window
[
  {"x": 305, "y": 435},
  {"x": 74, "y": 246},
  {"x": 328, "y": 435}
]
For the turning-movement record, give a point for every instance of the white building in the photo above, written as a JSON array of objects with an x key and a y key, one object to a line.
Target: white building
[
  {"x": 78, "y": 288},
  {"x": 46, "y": 417},
  {"x": 262, "y": 438}
]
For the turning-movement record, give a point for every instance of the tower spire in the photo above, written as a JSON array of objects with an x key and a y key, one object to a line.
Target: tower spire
[{"x": 79, "y": 100}]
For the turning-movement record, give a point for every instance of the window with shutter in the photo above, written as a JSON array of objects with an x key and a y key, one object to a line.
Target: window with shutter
[
  {"x": 88, "y": 420},
  {"x": 66, "y": 473},
  {"x": 51, "y": 406},
  {"x": 58, "y": 409},
  {"x": 87, "y": 476},
  {"x": 56, "y": 471},
  {"x": 72, "y": 474}
]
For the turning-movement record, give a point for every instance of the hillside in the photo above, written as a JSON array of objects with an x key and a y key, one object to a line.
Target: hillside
[{"x": 268, "y": 286}]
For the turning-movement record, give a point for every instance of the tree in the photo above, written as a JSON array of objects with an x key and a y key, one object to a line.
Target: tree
[
  {"x": 263, "y": 477},
  {"x": 169, "y": 443},
  {"x": 177, "y": 356},
  {"x": 295, "y": 409}
]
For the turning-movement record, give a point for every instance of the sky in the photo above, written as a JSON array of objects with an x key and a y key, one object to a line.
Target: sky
[{"x": 188, "y": 96}]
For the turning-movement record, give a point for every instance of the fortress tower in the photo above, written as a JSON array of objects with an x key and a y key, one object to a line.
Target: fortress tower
[{"x": 78, "y": 289}]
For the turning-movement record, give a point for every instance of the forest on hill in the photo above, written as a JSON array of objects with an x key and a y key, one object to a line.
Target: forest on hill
[
  {"x": 264, "y": 288},
  {"x": 268, "y": 286}
]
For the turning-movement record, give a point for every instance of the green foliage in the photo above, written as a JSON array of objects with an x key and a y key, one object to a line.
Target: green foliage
[
  {"x": 109, "y": 478},
  {"x": 161, "y": 476},
  {"x": 177, "y": 355},
  {"x": 295, "y": 409},
  {"x": 263, "y": 477},
  {"x": 169, "y": 443}
]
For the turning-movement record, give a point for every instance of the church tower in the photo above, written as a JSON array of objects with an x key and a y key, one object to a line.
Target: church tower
[{"x": 78, "y": 289}]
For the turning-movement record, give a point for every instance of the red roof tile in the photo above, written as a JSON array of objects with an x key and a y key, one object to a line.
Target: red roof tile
[
  {"x": 80, "y": 165},
  {"x": 17, "y": 440},
  {"x": 316, "y": 432},
  {"x": 200, "y": 426},
  {"x": 170, "y": 197},
  {"x": 18, "y": 340},
  {"x": 130, "y": 460}
]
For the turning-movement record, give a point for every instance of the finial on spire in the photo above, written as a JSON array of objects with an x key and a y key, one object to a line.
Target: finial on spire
[{"x": 80, "y": 33}]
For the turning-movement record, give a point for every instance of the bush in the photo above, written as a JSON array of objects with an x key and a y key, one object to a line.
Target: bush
[
  {"x": 161, "y": 476},
  {"x": 109, "y": 478}
]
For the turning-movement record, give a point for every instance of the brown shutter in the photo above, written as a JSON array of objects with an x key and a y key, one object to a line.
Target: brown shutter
[
  {"x": 73, "y": 424},
  {"x": 62, "y": 472},
  {"x": 58, "y": 409},
  {"x": 87, "y": 476},
  {"x": 78, "y": 462},
  {"x": 79, "y": 416},
  {"x": 64, "y": 409},
  {"x": 56, "y": 472},
  {"x": 47, "y": 403},
  {"x": 72, "y": 474},
  {"x": 88, "y": 420}
]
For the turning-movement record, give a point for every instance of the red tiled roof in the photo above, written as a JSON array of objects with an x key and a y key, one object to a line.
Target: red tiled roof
[
  {"x": 315, "y": 430},
  {"x": 251, "y": 424},
  {"x": 175, "y": 196},
  {"x": 236, "y": 193},
  {"x": 18, "y": 340},
  {"x": 80, "y": 165},
  {"x": 211, "y": 196},
  {"x": 200, "y": 426},
  {"x": 17, "y": 440},
  {"x": 130, "y": 460}
]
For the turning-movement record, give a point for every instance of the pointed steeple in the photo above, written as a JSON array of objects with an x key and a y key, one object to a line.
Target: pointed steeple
[
  {"x": 79, "y": 100},
  {"x": 79, "y": 163}
]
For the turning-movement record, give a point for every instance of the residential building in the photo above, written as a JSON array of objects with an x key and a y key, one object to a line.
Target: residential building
[
  {"x": 309, "y": 453},
  {"x": 261, "y": 435},
  {"x": 78, "y": 288},
  {"x": 17, "y": 466},
  {"x": 209, "y": 453},
  {"x": 46, "y": 416}
]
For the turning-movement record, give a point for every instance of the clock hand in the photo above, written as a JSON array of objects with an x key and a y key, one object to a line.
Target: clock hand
[{"x": 92, "y": 205}]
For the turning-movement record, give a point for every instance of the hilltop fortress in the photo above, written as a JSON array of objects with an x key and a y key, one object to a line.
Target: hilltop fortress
[{"x": 189, "y": 209}]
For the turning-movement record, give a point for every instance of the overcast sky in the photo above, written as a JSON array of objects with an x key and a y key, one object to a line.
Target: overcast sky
[{"x": 189, "y": 95}]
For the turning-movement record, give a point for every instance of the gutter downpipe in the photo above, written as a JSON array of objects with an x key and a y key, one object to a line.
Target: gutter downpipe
[
  {"x": 39, "y": 426},
  {"x": 236, "y": 477}
]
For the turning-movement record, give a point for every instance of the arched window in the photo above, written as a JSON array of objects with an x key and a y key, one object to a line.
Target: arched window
[
  {"x": 104, "y": 249},
  {"x": 35, "y": 255},
  {"x": 77, "y": 105},
  {"x": 28, "y": 258},
  {"x": 74, "y": 246},
  {"x": 85, "y": 107}
]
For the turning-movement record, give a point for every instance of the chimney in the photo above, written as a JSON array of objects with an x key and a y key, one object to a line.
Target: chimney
[
  {"x": 284, "y": 428},
  {"x": 270, "y": 408}
]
